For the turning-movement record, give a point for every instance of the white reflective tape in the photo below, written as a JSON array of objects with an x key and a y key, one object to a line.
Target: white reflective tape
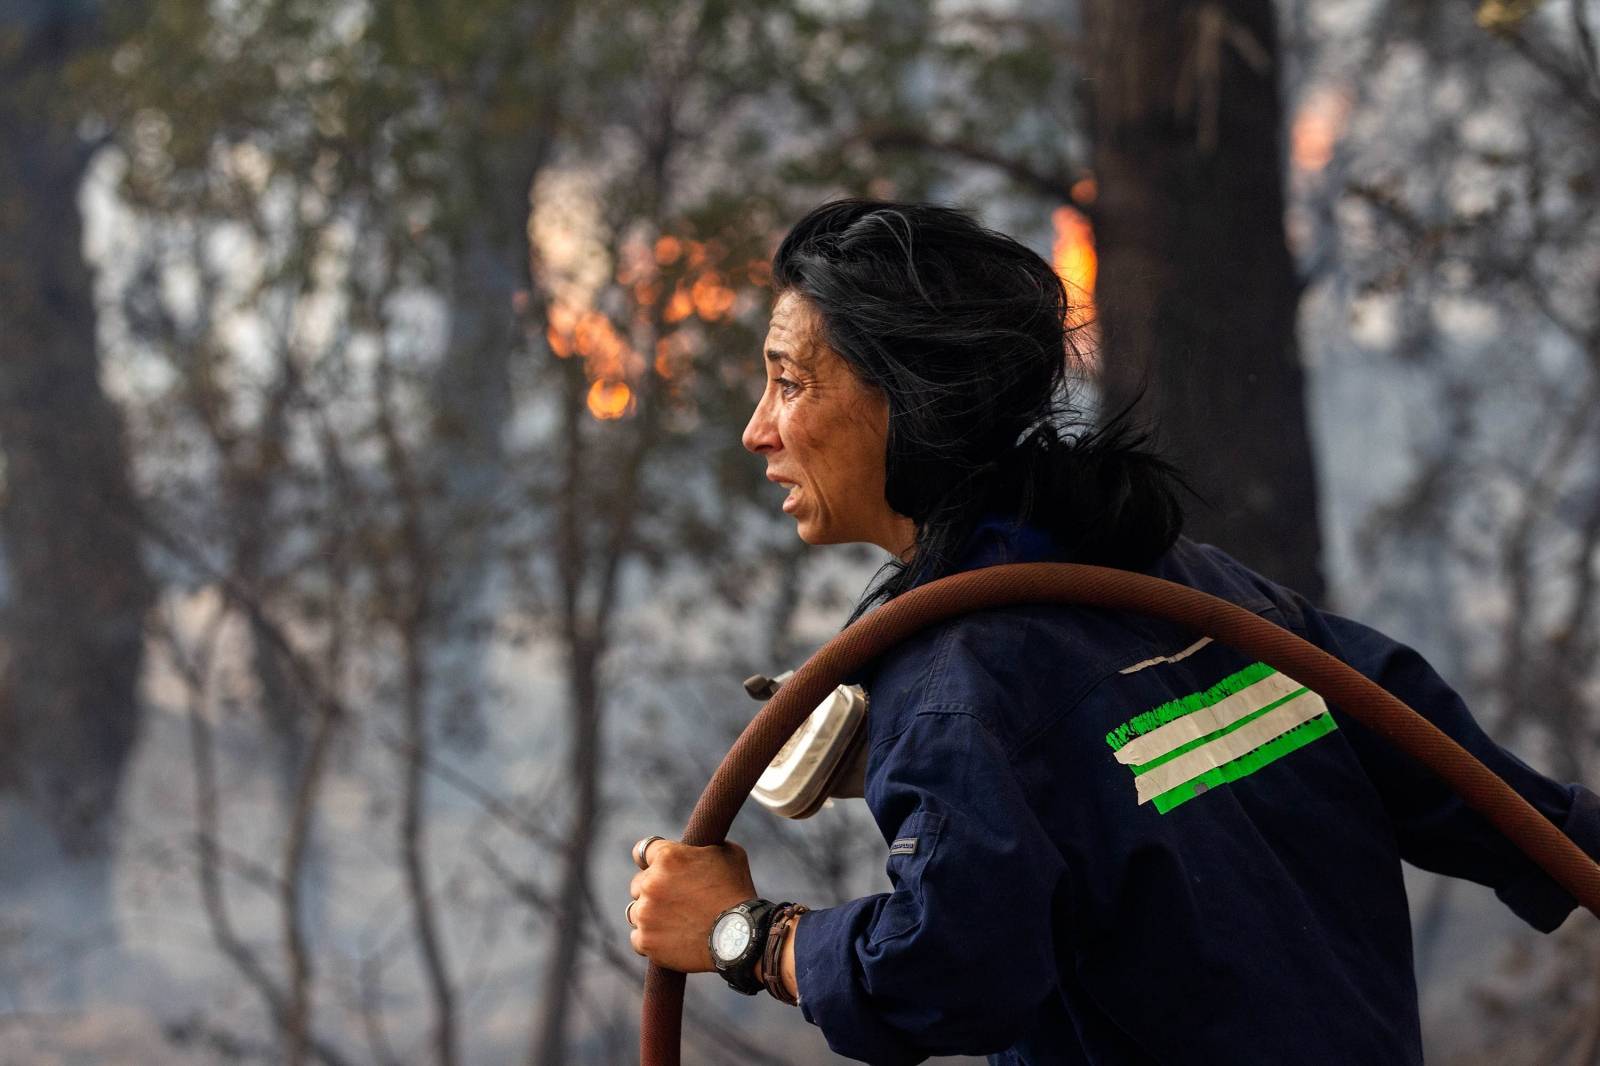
[
  {"x": 1159, "y": 659},
  {"x": 1196, "y": 724},
  {"x": 1229, "y": 746}
]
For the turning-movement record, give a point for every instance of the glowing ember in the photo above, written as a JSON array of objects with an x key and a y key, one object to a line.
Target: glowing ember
[
  {"x": 712, "y": 299},
  {"x": 604, "y": 350},
  {"x": 558, "y": 343},
  {"x": 1084, "y": 191},
  {"x": 636, "y": 263},
  {"x": 675, "y": 355},
  {"x": 1318, "y": 125},
  {"x": 610, "y": 399},
  {"x": 1075, "y": 261},
  {"x": 668, "y": 249},
  {"x": 563, "y": 320},
  {"x": 680, "y": 307}
]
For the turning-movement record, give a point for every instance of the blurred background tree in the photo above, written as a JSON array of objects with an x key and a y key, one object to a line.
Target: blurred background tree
[
  {"x": 75, "y": 589},
  {"x": 1187, "y": 117},
  {"x": 1461, "y": 247},
  {"x": 432, "y": 328}
]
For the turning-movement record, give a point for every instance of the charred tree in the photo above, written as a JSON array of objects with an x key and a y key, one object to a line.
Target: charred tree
[{"x": 1197, "y": 291}]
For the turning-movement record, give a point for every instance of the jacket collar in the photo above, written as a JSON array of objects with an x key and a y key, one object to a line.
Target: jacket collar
[
  {"x": 1000, "y": 538},
  {"x": 996, "y": 539},
  {"x": 1005, "y": 539}
]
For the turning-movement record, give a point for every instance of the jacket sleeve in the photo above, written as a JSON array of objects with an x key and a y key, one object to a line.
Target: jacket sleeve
[
  {"x": 959, "y": 956},
  {"x": 1436, "y": 829}
]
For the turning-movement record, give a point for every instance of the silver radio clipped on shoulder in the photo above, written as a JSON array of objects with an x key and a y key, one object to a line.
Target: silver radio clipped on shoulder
[{"x": 825, "y": 759}]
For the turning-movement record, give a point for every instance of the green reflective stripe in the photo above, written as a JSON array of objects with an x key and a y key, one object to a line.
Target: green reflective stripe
[
  {"x": 1225, "y": 749},
  {"x": 1146, "y": 749},
  {"x": 1224, "y": 731},
  {"x": 1157, "y": 717},
  {"x": 1247, "y": 764}
]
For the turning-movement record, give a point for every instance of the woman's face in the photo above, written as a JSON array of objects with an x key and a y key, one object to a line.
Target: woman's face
[{"x": 823, "y": 433}]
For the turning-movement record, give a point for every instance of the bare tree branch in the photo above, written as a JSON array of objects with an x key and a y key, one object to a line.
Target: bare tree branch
[
  {"x": 370, "y": 978},
  {"x": 491, "y": 804},
  {"x": 301, "y": 822},
  {"x": 1575, "y": 85},
  {"x": 725, "y": 1042},
  {"x": 195, "y": 670},
  {"x": 1588, "y": 55},
  {"x": 1515, "y": 657},
  {"x": 1054, "y": 183},
  {"x": 411, "y": 606}
]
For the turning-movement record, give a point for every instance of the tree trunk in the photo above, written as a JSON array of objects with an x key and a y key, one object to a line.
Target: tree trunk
[
  {"x": 76, "y": 590},
  {"x": 471, "y": 400},
  {"x": 1197, "y": 292},
  {"x": 550, "y": 1048}
]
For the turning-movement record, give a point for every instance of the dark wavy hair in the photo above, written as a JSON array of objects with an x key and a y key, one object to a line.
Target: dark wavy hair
[{"x": 966, "y": 332}]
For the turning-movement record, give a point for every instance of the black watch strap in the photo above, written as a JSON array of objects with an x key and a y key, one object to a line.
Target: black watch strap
[{"x": 740, "y": 973}]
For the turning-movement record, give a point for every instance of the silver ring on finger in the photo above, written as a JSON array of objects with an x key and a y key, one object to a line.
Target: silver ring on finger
[
  {"x": 641, "y": 848},
  {"x": 627, "y": 915}
]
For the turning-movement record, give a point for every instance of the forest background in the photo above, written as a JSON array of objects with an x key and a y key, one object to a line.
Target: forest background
[{"x": 378, "y": 558}]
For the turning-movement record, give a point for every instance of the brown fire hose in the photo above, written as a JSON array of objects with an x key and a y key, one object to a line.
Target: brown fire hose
[{"x": 1096, "y": 586}]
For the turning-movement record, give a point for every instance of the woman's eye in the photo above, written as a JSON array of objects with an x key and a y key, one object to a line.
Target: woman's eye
[{"x": 785, "y": 385}]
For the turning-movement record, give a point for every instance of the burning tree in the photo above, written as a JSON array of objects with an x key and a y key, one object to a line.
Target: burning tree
[{"x": 378, "y": 451}]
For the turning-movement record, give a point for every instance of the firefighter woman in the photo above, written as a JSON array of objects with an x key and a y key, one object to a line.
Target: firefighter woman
[{"x": 1109, "y": 840}]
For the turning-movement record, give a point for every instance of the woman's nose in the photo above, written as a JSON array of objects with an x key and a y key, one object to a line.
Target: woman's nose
[{"x": 760, "y": 434}]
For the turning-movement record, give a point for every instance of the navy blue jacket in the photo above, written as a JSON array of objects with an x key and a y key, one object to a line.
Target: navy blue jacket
[{"x": 1113, "y": 842}]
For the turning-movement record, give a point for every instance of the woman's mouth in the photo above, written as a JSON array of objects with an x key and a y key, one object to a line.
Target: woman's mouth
[{"x": 790, "y": 501}]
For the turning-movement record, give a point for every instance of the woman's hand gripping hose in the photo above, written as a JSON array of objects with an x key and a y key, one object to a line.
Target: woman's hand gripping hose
[{"x": 1094, "y": 586}]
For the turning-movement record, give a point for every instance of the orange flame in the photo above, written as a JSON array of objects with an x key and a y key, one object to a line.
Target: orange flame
[
  {"x": 608, "y": 358},
  {"x": 602, "y": 347},
  {"x": 563, "y": 320},
  {"x": 645, "y": 271},
  {"x": 1075, "y": 261},
  {"x": 680, "y": 306},
  {"x": 610, "y": 399},
  {"x": 636, "y": 263},
  {"x": 675, "y": 355},
  {"x": 712, "y": 299}
]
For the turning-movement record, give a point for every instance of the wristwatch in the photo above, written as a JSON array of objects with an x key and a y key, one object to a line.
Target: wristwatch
[{"x": 737, "y": 937}]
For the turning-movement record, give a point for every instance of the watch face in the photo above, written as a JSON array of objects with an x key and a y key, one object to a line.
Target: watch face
[{"x": 731, "y": 936}]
